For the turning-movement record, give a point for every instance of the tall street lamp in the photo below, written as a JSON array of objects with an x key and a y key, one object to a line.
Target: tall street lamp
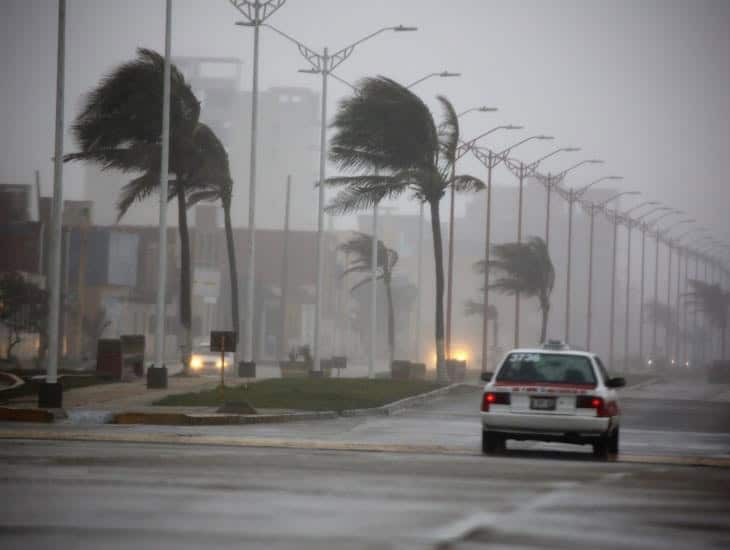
[
  {"x": 616, "y": 217},
  {"x": 593, "y": 208},
  {"x": 490, "y": 160},
  {"x": 552, "y": 180},
  {"x": 682, "y": 253},
  {"x": 627, "y": 320},
  {"x": 255, "y": 12},
  {"x": 572, "y": 196},
  {"x": 667, "y": 329},
  {"x": 452, "y": 202},
  {"x": 658, "y": 235},
  {"x": 374, "y": 244},
  {"x": 50, "y": 392},
  {"x": 644, "y": 227},
  {"x": 324, "y": 63},
  {"x": 419, "y": 276},
  {"x": 450, "y": 260},
  {"x": 522, "y": 172}
]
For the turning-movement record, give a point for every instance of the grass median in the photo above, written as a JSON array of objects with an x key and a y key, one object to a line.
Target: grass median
[{"x": 328, "y": 394}]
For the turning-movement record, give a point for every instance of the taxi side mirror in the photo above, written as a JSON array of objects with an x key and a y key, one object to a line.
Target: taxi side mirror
[
  {"x": 617, "y": 382},
  {"x": 486, "y": 376}
]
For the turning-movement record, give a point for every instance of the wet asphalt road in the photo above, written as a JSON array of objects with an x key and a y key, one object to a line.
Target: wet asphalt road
[{"x": 303, "y": 491}]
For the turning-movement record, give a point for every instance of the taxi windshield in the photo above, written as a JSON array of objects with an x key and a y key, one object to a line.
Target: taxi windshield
[{"x": 547, "y": 368}]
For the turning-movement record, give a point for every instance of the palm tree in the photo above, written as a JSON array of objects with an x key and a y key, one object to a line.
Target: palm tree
[
  {"x": 212, "y": 181},
  {"x": 525, "y": 268},
  {"x": 714, "y": 302},
  {"x": 359, "y": 251},
  {"x": 387, "y": 139},
  {"x": 664, "y": 316},
  {"x": 120, "y": 126}
]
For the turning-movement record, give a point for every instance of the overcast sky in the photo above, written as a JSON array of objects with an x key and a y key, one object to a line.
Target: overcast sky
[{"x": 644, "y": 85}]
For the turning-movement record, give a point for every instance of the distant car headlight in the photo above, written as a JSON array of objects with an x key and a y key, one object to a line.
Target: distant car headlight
[
  {"x": 218, "y": 363},
  {"x": 196, "y": 361}
]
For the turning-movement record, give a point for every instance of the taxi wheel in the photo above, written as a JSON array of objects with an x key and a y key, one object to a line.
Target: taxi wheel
[
  {"x": 601, "y": 448},
  {"x": 613, "y": 442},
  {"x": 492, "y": 443}
]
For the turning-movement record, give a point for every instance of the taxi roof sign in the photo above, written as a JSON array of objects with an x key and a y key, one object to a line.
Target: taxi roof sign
[{"x": 555, "y": 344}]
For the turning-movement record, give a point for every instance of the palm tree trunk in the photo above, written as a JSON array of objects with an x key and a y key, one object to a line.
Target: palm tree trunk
[
  {"x": 232, "y": 272},
  {"x": 185, "y": 291},
  {"x": 438, "y": 255},
  {"x": 391, "y": 318},
  {"x": 543, "y": 329}
]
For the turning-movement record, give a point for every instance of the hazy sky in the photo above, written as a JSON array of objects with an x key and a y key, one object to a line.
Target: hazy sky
[{"x": 644, "y": 85}]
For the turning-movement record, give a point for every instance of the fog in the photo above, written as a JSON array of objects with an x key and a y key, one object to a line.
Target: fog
[{"x": 642, "y": 86}]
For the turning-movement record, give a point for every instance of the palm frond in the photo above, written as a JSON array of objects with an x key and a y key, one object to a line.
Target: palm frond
[
  {"x": 466, "y": 182},
  {"x": 137, "y": 190},
  {"x": 383, "y": 127},
  {"x": 448, "y": 131},
  {"x": 472, "y": 307}
]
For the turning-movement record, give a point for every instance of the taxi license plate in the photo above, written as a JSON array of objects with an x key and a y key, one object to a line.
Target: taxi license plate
[{"x": 542, "y": 403}]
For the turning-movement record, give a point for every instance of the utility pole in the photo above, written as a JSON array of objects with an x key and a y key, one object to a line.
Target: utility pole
[
  {"x": 611, "y": 327},
  {"x": 519, "y": 240},
  {"x": 283, "y": 339},
  {"x": 256, "y": 12},
  {"x": 50, "y": 393}
]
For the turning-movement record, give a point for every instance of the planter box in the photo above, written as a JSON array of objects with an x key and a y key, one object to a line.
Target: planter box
[
  {"x": 301, "y": 369},
  {"x": 455, "y": 370},
  {"x": 294, "y": 369},
  {"x": 405, "y": 370}
]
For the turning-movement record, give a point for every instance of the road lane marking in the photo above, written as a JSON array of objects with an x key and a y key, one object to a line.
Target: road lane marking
[{"x": 321, "y": 445}]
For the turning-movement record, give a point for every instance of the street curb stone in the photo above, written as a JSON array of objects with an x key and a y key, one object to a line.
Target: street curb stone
[
  {"x": 402, "y": 404},
  {"x": 162, "y": 418}
]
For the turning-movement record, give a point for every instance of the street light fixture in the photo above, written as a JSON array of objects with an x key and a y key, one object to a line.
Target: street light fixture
[
  {"x": 490, "y": 160},
  {"x": 521, "y": 174},
  {"x": 450, "y": 260},
  {"x": 572, "y": 197},
  {"x": 627, "y": 319},
  {"x": 50, "y": 392},
  {"x": 593, "y": 208},
  {"x": 667, "y": 331},
  {"x": 325, "y": 63},
  {"x": 255, "y": 12},
  {"x": 442, "y": 74},
  {"x": 481, "y": 109}
]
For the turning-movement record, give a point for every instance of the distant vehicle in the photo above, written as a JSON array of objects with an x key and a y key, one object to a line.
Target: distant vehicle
[
  {"x": 551, "y": 394},
  {"x": 205, "y": 360}
]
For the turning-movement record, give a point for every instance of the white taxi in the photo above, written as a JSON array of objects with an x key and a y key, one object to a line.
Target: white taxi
[{"x": 551, "y": 394}]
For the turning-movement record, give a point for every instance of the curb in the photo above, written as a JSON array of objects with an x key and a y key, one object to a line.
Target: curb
[
  {"x": 26, "y": 415},
  {"x": 191, "y": 419},
  {"x": 184, "y": 419},
  {"x": 402, "y": 404}
]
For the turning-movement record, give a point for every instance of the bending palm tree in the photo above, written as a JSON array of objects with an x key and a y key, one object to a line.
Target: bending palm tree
[
  {"x": 120, "y": 126},
  {"x": 388, "y": 137},
  {"x": 211, "y": 182},
  {"x": 358, "y": 249},
  {"x": 714, "y": 302},
  {"x": 525, "y": 268}
]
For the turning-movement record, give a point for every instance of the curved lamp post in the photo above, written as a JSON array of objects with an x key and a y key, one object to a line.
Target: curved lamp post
[
  {"x": 573, "y": 196},
  {"x": 554, "y": 180},
  {"x": 324, "y": 63},
  {"x": 593, "y": 208},
  {"x": 522, "y": 172},
  {"x": 627, "y": 319},
  {"x": 667, "y": 329}
]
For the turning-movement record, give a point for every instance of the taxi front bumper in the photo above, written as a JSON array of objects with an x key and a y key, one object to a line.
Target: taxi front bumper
[{"x": 552, "y": 426}]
